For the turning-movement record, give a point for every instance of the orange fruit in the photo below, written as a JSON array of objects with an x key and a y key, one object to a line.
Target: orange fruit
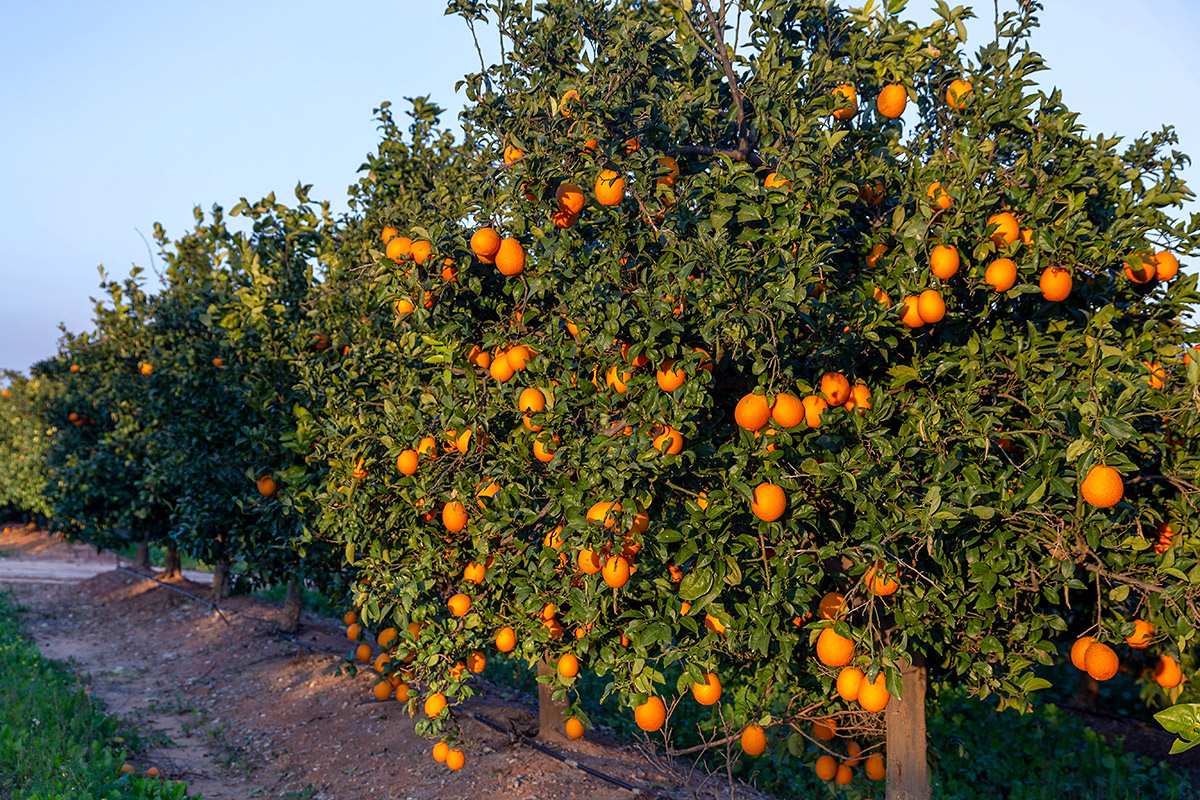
[
  {"x": 616, "y": 571},
  {"x": 420, "y": 251},
  {"x": 882, "y": 297},
  {"x": 512, "y": 155},
  {"x": 543, "y": 450},
  {"x": 564, "y": 105},
  {"x": 403, "y": 307},
  {"x": 459, "y": 604},
  {"x": 930, "y": 306},
  {"x": 944, "y": 261},
  {"x": 880, "y": 582},
  {"x": 769, "y": 502},
  {"x": 398, "y": 248},
  {"x": 610, "y": 188},
  {"x": 387, "y": 636},
  {"x": 1157, "y": 377},
  {"x": 754, "y": 740},
  {"x": 427, "y": 447},
  {"x": 826, "y": 768},
  {"x": 568, "y": 665},
  {"x": 776, "y": 181},
  {"x": 501, "y": 370},
  {"x": 266, "y": 485},
  {"x": 651, "y": 714},
  {"x": 787, "y": 411},
  {"x": 844, "y": 775},
  {"x": 439, "y": 752},
  {"x": 848, "y": 682},
  {"x": 938, "y": 196},
  {"x": 1006, "y": 230},
  {"x": 860, "y": 398},
  {"x": 709, "y": 692},
  {"x": 873, "y": 258},
  {"x": 510, "y": 257},
  {"x": 616, "y": 380},
  {"x": 672, "y": 166},
  {"x": 1001, "y": 274},
  {"x": 449, "y": 271},
  {"x": 434, "y": 704},
  {"x": 875, "y": 768},
  {"x": 1100, "y": 661},
  {"x": 589, "y": 562},
  {"x": 454, "y": 516},
  {"x": 1140, "y": 638},
  {"x": 911, "y": 315},
  {"x": 1167, "y": 673},
  {"x": 350, "y": 618},
  {"x": 485, "y": 242},
  {"x": 712, "y": 623},
  {"x": 1055, "y": 283},
  {"x": 455, "y": 759},
  {"x": 353, "y": 631},
  {"x": 152, "y": 772},
  {"x": 126, "y": 769},
  {"x": 873, "y": 695},
  {"x": 752, "y": 412},
  {"x": 573, "y": 728},
  {"x": 474, "y": 572},
  {"x": 892, "y": 100},
  {"x": 363, "y": 652},
  {"x": 845, "y": 93},
  {"x": 605, "y": 513},
  {"x": 832, "y": 606},
  {"x": 835, "y": 387},
  {"x": 833, "y": 649},
  {"x": 1103, "y": 487},
  {"x": 1142, "y": 272},
  {"x": 825, "y": 729},
  {"x": 570, "y": 197},
  {"x": 669, "y": 441},
  {"x": 406, "y": 462},
  {"x": 669, "y": 378},
  {"x": 1166, "y": 265},
  {"x": 814, "y": 407},
  {"x": 957, "y": 93},
  {"x": 517, "y": 356},
  {"x": 382, "y": 690},
  {"x": 506, "y": 639}
]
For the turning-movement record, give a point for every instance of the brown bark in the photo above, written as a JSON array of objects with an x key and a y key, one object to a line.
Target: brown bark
[
  {"x": 289, "y": 618},
  {"x": 141, "y": 559},
  {"x": 907, "y": 768},
  {"x": 1088, "y": 693},
  {"x": 220, "y": 580},
  {"x": 171, "y": 569},
  {"x": 551, "y": 712}
]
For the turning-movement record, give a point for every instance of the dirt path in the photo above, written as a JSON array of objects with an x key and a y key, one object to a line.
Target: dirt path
[{"x": 236, "y": 711}]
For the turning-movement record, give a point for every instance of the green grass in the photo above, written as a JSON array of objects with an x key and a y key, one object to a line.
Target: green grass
[
  {"x": 55, "y": 743},
  {"x": 975, "y": 752}
]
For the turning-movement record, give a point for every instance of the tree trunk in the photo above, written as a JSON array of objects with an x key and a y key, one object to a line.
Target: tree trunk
[
  {"x": 551, "y": 712},
  {"x": 142, "y": 559},
  {"x": 1088, "y": 693},
  {"x": 289, "y": 618},
  {"x": 220, "y": 580},
  {"x": 171, "y": 569},
  {"x": 907, "y": 768}
]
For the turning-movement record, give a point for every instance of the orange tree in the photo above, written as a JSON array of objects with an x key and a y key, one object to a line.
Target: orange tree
[
  {"x": 815, "y": 364},
  {"x": 23, "y": 442}
]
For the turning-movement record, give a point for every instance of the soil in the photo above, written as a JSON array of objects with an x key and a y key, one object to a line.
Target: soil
[{"x": 235, "y": 710}]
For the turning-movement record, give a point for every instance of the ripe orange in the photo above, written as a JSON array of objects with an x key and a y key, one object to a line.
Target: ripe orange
[
  {"x": 126, "y": 769},
  {"x": 454, "y": 516},
  {"x": 1142, "y": 272},
  {"x": 1001, "y": 274},
  {"x": 651, "y": 714},
  {"x": 911, "y": 315},
  {"x": 152, "y": 772},
  {"x": 610, "y": 188},
  {"x": 709, "y": 692},
  {"x": 776, "y": 181},
  {"x": 604, "y": 512},
  {"x": 754, "y": 740},
  {"x": 848, "y": 682},
  {"x": 788, "y": 411},
  {"x": 406, "y": 462},
  {"x": 1006, "y": 230},
  {"x": 573, "y": 728},
  {"x": 501, "y": 370},
  {"x": 832, "y": 606},
  {"x": 564, "y": 105},
  {"x": 944, "y": 261},
  {"x": 353, "y": 631},
  {"x": 403, "y": 307},
  {"x": 873, "y": 258},
  {"x": 570, "y": 197},
  {"x": 826, "y": 768},
  {"x": 616, "y": 571},
  {"x": 845, "y": 94},
  {"x": 506, "y": 639},
  {"x": 386, "y": 637},
  {"x": 420, "y": 251},
  {"x": 1103, "y": 487},
  {"x": 860, "y": 398},
  {"x": 669, "y": 441},
  {"x": 485, "y": 242},
  {"x": 712, "y": 623},
  {"x": 510, "y": 257},
  {"x": 1167, "y": 673},
  {"x": 517, "y": 355},
  {"x": 434, "y": 704},
  {"x": 672, "y": 166},
  {"x": 568, "y": 665},
  {"x": 1100, "y": 661},
  {"x": 752, "y": 412},
  {"x": 892, "y": 100},
  {"x": 266, "y": 485},
  {"x": 938, "y": 196},
  {"x": 814, "y": 407},
  {"x": 350, "y": 618},
  {"x": 834, "y": 650},
  {"x": 439, "y": 752},
  {"x": 382, "y": 690},
  {"x": 957, "y": 93},
  {"x": 879, "y": 582},
  {"x": 459, "y": 604},
  {"x": 512, "y": 155},
  {"x": 589, "y": 561},
  {"x": 1055, "y": 283},
  {"x": 873, "y": 695},
  {"x": 543, "y": 450},
  {"x": 835, "y": 387},
  {"x": 398, "y": 248},
  {"x": 1157, "y": 377},
  {"x": 669, "y": 378},
  {"x": 1165, "y": 265},
  {"x": 825, "y": 729},
  {"x": 363, "y": 652},
  {"x": 882, "y": 297},
  {"x": 769, "y": 502},
  {"x": 875, "y": 768},
  {"x": 455, "y": 759},
  {"x": 617, "y": 380},
  {"x": 844, "y": 775},
  {"x": 1140, "y": 638},
  {"x": 146, "y": 368},
  {"x": 402, "y": 692},
  {"x": 1079, "y": 649},
  {"x": 474, "y": 573},
  {"x": 930, "y": 306}
]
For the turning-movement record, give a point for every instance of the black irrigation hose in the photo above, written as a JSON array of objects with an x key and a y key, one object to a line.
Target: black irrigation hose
[
  {"x": 213, "y": 606},
  {"x": 568, "y": 761}
]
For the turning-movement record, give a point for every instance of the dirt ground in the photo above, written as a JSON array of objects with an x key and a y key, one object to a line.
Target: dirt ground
[{"x": 235, "y": 711}]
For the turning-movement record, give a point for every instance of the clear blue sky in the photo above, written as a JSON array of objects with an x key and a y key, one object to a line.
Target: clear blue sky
[{"x": 114, "y": 116}]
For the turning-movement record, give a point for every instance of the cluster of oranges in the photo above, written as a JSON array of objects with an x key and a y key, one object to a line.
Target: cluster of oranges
[
  {"x": 829, "y": 769},
  {"x": 1100, "y": 661}
]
